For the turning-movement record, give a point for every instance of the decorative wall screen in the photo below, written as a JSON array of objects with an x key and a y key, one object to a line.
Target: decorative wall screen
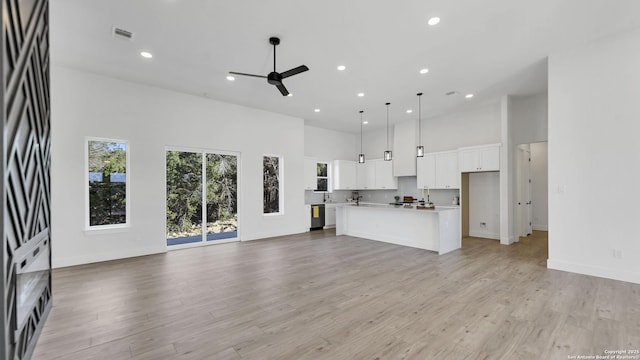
[{"x": 25, "y": 185}]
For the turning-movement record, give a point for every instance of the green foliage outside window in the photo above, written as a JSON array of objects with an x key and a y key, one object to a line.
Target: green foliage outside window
[
  {"x": 184, "y": 193},
  {"x": 271, "y": 184},
  {"x": 107, "y": 183}
]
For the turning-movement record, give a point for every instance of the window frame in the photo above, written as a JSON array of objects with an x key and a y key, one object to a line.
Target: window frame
[
  {"x": 280, "y": 185},
  {"x": 327, "y": 178},
  {"x": 87, "y": 207}
]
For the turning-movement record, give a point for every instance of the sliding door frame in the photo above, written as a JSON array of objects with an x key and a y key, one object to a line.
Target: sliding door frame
[{"x": 204, "y": 152}]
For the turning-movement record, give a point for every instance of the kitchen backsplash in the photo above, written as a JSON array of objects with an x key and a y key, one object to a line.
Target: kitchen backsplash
[
  {"x": 407, "y": 186},
  {"x": 338, "y": 196}
]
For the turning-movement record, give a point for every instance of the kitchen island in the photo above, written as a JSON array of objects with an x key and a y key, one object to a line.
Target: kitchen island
[{"x": 436, "y": 230}]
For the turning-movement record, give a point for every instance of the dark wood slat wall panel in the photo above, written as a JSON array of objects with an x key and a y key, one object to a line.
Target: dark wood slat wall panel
[{"x": 26, "y": 144}]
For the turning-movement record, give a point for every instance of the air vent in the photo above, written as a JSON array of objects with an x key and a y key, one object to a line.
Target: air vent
[
  {"x": 122, "y": 34},
  {"x": 451, "y": 93}
]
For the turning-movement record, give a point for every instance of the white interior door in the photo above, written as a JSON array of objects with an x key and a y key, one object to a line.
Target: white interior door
[{"x": 523, "y": 180}]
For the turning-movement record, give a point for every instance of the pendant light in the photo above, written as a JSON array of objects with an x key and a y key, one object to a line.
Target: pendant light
[
  {"x": 361, "y": 155},
  {"x": 420, "y": 148},
  {"x": 387, "y": 153}
]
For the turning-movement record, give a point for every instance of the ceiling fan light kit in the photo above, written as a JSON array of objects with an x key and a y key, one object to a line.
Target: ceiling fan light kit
[{"x": 275, "y": 78}]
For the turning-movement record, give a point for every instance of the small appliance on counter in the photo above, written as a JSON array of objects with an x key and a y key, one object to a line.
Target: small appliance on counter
[
  {"x": 408, "y": 202},
  {"x": 397, "y": 201}
]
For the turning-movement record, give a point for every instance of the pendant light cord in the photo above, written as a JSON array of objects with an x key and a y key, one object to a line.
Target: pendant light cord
[
  {"x": 420, "y": 117},
  {"x": 388, "y": 125},
  {"x": 361, "y": 111}
]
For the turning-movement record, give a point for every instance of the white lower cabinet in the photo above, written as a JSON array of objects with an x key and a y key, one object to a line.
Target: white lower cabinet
[
  {"x": 307, "y": 221},
  {"x": 329, "y": 215}
]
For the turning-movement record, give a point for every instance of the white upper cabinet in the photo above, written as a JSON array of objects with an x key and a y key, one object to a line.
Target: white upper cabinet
[
  {"x": 366, "y": 175},
  {"x": 384, "y": 178},
  {"x": 480, "y": 158},
  {"x": 310, "y": 174},
  {"x": 438, "y": 171},
  {"x": 375, "y": 174},
  {"x": 344, "y": 175},
  {"x": 447, "y": 170},
  {"x": 426, "y": 171}
]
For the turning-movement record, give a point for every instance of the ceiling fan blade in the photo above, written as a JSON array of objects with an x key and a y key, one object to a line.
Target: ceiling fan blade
[
  {"x": 294, "y": 71},
  {"x": 244, "y": 74},
  {"x": 283, "y": 90}
]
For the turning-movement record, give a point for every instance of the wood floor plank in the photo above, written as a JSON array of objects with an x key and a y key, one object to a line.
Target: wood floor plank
[{"x": 318, "y": 296}]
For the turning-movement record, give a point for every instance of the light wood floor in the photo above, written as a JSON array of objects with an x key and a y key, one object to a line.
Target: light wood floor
[{"x": 317, "y": 296}]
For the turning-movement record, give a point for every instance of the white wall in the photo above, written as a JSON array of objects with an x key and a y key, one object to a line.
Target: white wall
[
  {"x": 484, "y": 204},
  {"x": 529, "y": 118},
  {"x": 374, "y": 143},
  {"x": 327, "y": 145},
  {"x": 478, "y": 126},
  {"x": 85, "y": 104},
  {"x": 594, "y": 162},
  {"x": 539, "y": 186}
]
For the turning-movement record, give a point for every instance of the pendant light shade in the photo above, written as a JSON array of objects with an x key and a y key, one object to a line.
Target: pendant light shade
[
  {"x": 420, "y": 148},
  {"x": 387, "y": 153},
  {"x": 361, "y": 155}
]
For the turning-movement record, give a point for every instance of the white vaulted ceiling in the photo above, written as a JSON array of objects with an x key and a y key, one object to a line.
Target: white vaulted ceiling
[{"x": 488, "y": 48}]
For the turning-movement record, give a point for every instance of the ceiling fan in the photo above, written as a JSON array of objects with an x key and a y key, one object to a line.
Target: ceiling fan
[{"x": 275, "y": 78}]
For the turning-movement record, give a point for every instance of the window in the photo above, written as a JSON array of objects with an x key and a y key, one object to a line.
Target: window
[
  {"x": 107, "y": 183},
  {"x": 197, "y": 213},
  {"x": 272, "y": 185},
  {"x": 322, "y": 176}
]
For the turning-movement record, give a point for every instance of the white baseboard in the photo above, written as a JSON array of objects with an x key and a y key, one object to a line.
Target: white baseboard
[
  {"x": 265, "y": 235},
  {"x": 540, "y": 227},
  {"x": 598, "y": 271},
  {"x": 484, "y": 234},
  {"x": 60, "y": 262}
]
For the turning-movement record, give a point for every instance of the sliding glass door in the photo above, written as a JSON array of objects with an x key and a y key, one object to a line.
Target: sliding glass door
[{"x": 202, "y": 194}]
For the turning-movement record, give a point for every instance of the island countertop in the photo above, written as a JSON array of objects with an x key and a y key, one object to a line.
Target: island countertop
[
  {"x": 398, "y": 207},
  {"x": 434, "y": 229}
]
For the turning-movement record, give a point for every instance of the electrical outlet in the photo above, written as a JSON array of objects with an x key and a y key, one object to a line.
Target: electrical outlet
[{"x": 617, "y": 253}]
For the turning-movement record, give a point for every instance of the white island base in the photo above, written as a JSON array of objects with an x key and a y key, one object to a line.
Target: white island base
[{"x": 436, "y": 230}]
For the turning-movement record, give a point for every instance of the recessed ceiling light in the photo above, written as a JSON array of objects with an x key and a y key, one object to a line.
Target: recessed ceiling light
[
  {"x": 341, "y": 67},
  {"x": 230, "y": 78},
  {"x": 409, "y": 111},
  {"x": 146, "y": 54},
  {"x": 433, "y": 21},
  {"x": 424, "y": 71},
  {"x": 365, "y": 122},
  {"x": 469, "y": 96},
  {"x": 316, "y": 110},
  {"x": 360, "y": 94}
]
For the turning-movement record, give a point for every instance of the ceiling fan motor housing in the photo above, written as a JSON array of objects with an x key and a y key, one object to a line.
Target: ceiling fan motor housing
[{"x": 274, "y": 78}]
